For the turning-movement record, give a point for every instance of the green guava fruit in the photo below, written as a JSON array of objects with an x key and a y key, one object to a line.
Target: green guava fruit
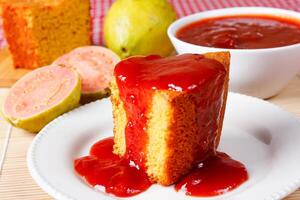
[
  {"x": 95, "y": 66},
  {"x": 139, "y": 27},
  {"x": 41, "y": 96}
]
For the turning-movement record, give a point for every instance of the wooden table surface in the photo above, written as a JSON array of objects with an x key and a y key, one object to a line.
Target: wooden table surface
[
  {"x": 8, "y": 74},
  {"x": 16, "y": 183}
]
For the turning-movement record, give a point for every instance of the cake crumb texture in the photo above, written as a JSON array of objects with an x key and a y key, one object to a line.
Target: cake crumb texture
[{"x": 39, "y": 31}]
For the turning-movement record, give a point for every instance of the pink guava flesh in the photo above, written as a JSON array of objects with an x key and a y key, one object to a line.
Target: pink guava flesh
[
  {"x": 40, "y": 90},
  {"x": 94, "y": 64}
]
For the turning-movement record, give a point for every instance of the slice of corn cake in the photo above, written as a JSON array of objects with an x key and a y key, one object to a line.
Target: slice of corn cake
[
  {"x": 39, "y": 31},
  {"x": 168, "y": 112}
]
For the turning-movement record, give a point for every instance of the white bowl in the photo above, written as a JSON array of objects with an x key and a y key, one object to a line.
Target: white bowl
[{"x": 256, "y": 72}]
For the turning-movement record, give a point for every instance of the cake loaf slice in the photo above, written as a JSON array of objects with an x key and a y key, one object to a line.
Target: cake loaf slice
[
  {"x": 168, "y": 112},
  {"x": 39, "y": 31}
]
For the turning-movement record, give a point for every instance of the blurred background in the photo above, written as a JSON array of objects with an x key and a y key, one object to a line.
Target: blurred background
[
  {"x": 15, "y": 181},
  {"x": 182, "y": 7}
]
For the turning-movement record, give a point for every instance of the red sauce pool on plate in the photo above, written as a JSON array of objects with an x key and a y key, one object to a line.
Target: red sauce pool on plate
[
  {"x": 216, "y": 175},
  {"x": 118, "y": 176},
  {"x": 242, "y": 32}
]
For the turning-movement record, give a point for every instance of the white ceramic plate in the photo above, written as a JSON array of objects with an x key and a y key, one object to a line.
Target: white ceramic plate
[{"x": 260, "y": 135}]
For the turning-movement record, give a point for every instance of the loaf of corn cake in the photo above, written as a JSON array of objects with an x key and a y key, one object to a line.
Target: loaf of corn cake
[
  {"x": 168, "y": 112},
  {"x": 39, "y": 31}
]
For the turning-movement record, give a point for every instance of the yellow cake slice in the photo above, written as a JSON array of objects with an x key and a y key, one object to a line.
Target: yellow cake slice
[
  {"x": 181, "y": 122},
  {"x": 39, "y": 31}
]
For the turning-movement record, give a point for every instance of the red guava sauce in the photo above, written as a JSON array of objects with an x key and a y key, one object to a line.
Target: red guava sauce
[
  {"x": 139, "y": 77},
  {"x": 242, "y": 32},
  {"x": 116, "y": 175},
  {"x": 216, "y": 175}
]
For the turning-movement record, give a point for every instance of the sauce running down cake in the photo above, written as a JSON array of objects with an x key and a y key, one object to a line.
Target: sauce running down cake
[{"x": 168, "y": 112}]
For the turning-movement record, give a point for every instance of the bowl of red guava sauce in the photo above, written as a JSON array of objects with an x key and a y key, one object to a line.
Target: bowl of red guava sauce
[{"x": 264, "y": 44}]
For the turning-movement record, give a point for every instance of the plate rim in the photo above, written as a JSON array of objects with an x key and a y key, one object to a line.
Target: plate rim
[{"x": 58, "y": 194}]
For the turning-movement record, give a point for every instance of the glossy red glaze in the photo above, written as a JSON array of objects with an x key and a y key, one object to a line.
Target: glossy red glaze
[
  {"x": 216, "y": 175},
  {"x": 242, "y": 32},
  {"x": 118, "y": 176},
  {"x": 139, "y": 77}
]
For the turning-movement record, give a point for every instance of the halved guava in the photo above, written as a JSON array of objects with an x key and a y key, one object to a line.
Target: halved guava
[
  {"x": 42, "y": 95},
  {"x": 95, "y": 66}
]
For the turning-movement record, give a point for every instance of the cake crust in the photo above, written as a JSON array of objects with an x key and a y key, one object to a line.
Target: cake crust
[{"x": 224, "y": 58}]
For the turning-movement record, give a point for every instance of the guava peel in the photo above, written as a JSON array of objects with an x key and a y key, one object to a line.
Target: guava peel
[
  {"x": 134, "y": 27},
  {"x": 41, "y": 96}
]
